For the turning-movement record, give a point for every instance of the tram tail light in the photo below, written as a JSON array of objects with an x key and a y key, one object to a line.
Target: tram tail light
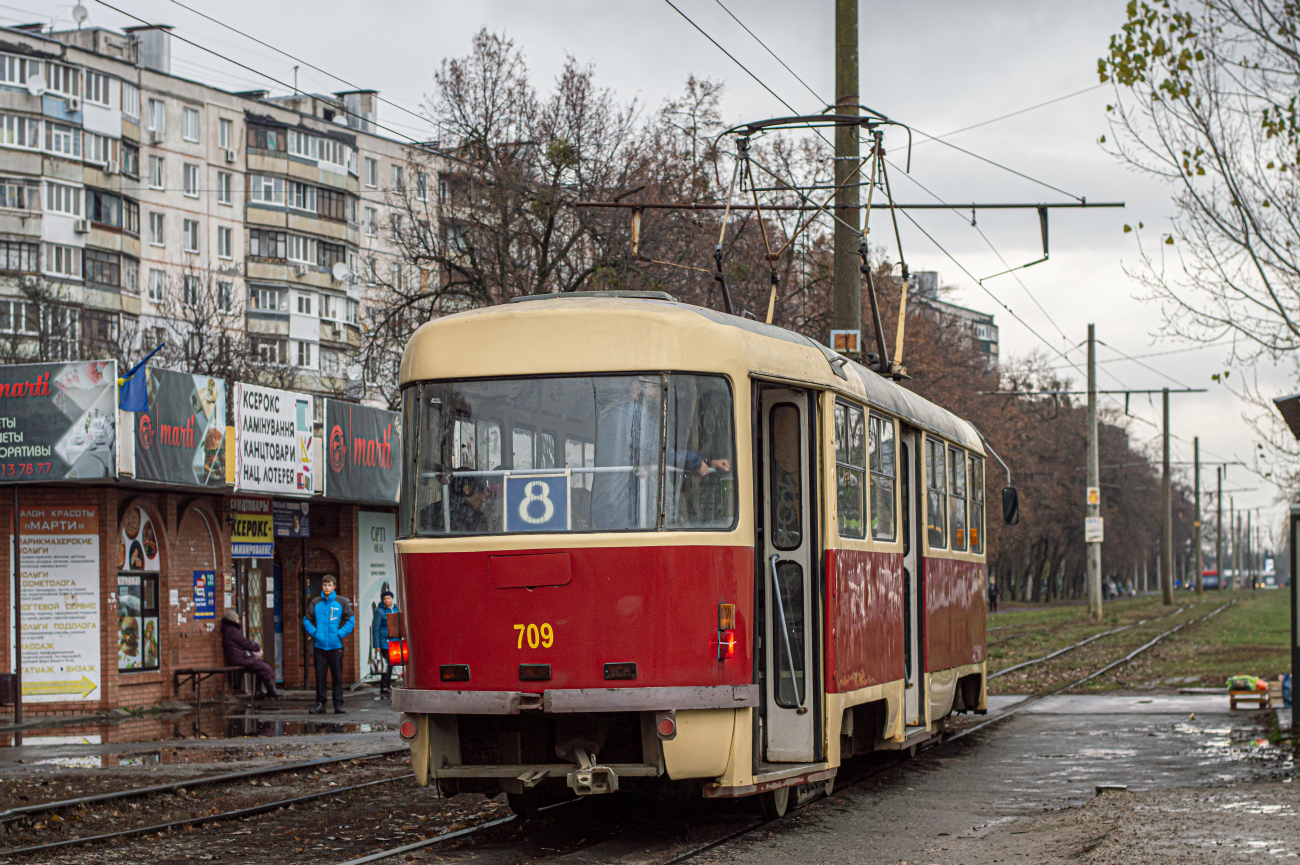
[
  {"x": 397, "y": 652},
  {"x": 726, "y": 631},
  {"x": 726, "y": 617}
]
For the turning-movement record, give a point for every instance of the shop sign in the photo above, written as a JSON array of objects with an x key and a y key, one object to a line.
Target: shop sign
[
  {"x": 205, "y": 594},
  {"x": 377, "y": 571},
  {"x": 181, "y": 438},
  {"x": 251, "y": 532},
  {"x": 364, "y": 448},
  {"x": 58, "y": 421},
  {"x": 290, "y": 519},
  {"x": 274, "y": 452},
  {"x": 60, "y": 633}
]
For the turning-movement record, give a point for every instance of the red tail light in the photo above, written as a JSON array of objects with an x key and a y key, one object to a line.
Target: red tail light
[
  {"x": 397, "y": 652},
  {"x": 726, "y": 644}
]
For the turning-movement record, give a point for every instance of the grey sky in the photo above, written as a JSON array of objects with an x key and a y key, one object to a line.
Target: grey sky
[{"x": 936, "y": 65}]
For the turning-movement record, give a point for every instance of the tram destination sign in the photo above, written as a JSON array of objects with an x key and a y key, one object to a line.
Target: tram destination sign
[
  {"x": 58, "y": 421},
  {"x": 363, "y": 452},
  {"x": 274, "y": 451},
  {"x": 181, "y": 438}
]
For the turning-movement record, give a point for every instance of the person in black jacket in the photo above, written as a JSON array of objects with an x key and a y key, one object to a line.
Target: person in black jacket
[{"x": 243, "y": 652}]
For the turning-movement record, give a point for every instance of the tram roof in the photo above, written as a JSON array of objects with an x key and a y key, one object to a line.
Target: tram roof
[{"x": 585, "y": 332}]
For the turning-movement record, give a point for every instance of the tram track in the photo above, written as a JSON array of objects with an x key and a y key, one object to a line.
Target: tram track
[
  {"x": 672, "y": 856},
  {"x": 1070, "y": 648}
]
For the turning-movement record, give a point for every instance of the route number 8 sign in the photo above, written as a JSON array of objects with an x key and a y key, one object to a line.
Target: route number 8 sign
[{"x": 537, "y": 503}]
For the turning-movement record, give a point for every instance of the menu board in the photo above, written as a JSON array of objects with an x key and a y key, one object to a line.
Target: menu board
[
  {"x": 275, "y": 452},
  {"x": 60, "y": 604},
  {"x": 58, "y": 421},
  {"x": 137, "y": 592}
]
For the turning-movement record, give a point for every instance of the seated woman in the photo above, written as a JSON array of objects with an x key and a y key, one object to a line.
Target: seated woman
[{"x": 243, "y": 652}]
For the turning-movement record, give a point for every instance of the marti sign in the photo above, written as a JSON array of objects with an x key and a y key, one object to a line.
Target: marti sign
[
  {"x": 275, "y": 452},
  {"x": 364, "y": 447},
  {"x": 58, "y": 421}
]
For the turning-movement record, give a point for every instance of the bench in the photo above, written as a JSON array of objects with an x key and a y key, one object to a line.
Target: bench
[
  {"x": 1259, "y": 697},
  {"x": 196, "y": 677}
]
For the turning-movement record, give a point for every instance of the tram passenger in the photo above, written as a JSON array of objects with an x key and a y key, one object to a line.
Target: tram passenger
[
  {"x": 627, "y": 436},
  {"x": 329, "y": 619},
  {"x": 468, "y": 496},
  {"x": 240, "y": 651}
]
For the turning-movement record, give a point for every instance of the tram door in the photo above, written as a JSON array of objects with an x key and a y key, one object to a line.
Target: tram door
[
  {"x": 788, "y": 547},
  {"x": 909, "y": 456}
]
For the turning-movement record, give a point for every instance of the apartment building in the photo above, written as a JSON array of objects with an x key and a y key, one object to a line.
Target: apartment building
[
  {"x": 129, "y": 196},
  {"x": 983, "y": 331}
]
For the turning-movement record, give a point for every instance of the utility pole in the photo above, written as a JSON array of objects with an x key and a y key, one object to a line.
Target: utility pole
[
  {"x": 1234, "y": 526},
  {"x": 847, "y": 314},
  {"x": 1166, "y": 513},
  {"x": 1094, "y": 482},
  {"x": 1250, "y": 553},
  {"x": 1197, "y": 558},
  {"x": 1218, "y": 528}
]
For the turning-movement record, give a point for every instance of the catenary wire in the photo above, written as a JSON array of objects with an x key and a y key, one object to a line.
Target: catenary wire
[
  {"x": 814, "y": 93},
  {"x": 1014, "y": 113}
]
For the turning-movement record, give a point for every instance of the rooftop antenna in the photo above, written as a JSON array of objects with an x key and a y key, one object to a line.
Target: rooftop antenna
[{"x": 80, "y": 14}]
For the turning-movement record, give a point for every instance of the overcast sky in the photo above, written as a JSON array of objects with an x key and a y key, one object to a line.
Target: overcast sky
[{"x": 938, "y": 66}]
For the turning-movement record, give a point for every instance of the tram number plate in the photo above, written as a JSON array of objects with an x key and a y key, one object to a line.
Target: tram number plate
[
  {"x": 543, "y": 636},
  {"x": 537, "y": 503}
]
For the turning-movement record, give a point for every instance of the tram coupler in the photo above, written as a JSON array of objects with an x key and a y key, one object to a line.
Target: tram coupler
[{"x": 590, "y": 779}]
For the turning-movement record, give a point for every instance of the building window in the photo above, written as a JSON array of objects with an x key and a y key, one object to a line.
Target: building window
[
  {"x": 263, "y": 243},
  {"x": 63, "y": 79},
  {"x": 850, "y": 470},
  {"x": 372, "y": 222},
  {"x": 976, "y": 488},
  {"x": 396, "y": 270},
  {"x": 64, "y": 140},
  {"x": 302, "y": 196},
  {"x": 157, "y": 116},
  {"x": 190, "y": 175},
  {"x": 19, "y": 257},
  {"x": 157, "y": 229},
  {"x": 225, "y": 295},
  {"x": 329, "y": 361},
  {"x": 397, "y": 178},
  {"x": 97, "y": 87},
  {"x": 190, "y": 124},
  {"x": 62, "y": 260},
  {"x": 957, "y": 497},
  {"x": 63, "y": 199},
  {"x": 100, "y": 148},
  {"x": 880, "y": 458},
  {"x": 304, "y": 354},
  {"x": 268, "y": 299},
  {"x": 130, "y": 160},
  {"x": 16, "y": 70},
  {"x": 332, "y": 205},
  {"x": 223, "y": 187},
  {"x": 935, "y": 494},
  {"x": 131, "y": 101},
  {"x": 103, "y": 208},
  {"x": 98, "y": 327},
  {"x": 156, "y": 173},
  {"x": 20, "y": 132},
  {"x": 190, "y": 235},
  {"x": 330, "y": 254},
  {"x": 304, "y": 304},
  {"x": 267, "y": 190},
  {"x": 329, "y": 307},
  {"x": 422, "y": 186},
  {"x": 191, "y": 290},
  {"x": 131, "y": 217},
  {"x": 372, "y": 172},
  {"x": 225, "y": 241},
  {"x": 269, "y": 350},
  {"x": 302, "y": 249},
  {"x": 17, "y": 316},
  {"x": 266, "y": 138},
  {"x": 225, "y": 133},
  {"x": 157, "y": 280},
  {"x": 16, "y": 194},
  {"x": 130, "y": 275}
]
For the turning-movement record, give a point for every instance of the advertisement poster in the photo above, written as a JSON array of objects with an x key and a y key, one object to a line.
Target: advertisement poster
[
  {"x": 290, "y": 519},
  {"x": 364, "y": 452},
  {"x": 377, "y": 571},
  {"x": 137, "y": 543},
  {"x": 181, "y": 439},
  {"x": 137, "y": 592},
  {"x": 275, "y": 453},
  {"x": 205, "y": 595},
  {"x": 58, "y": 421},
  {"x": 60, "y": 573},
  {"x": 251, "y": 533}
]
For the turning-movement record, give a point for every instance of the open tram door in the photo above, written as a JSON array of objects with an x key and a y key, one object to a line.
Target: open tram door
[
  {"x": 914, "y": 702},
  {"x": 791, "y": 690}
]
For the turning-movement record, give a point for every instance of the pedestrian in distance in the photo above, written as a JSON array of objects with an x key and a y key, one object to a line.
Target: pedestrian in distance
[
  {"x": 243, "y": 652},
  {"x": 993, "y": 597},
  {"x": 379, "y": 640},
  {"x": 329, "y": 619}
]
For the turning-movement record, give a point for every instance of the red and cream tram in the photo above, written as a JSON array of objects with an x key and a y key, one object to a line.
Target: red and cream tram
[{"x": 642, "y": 541}]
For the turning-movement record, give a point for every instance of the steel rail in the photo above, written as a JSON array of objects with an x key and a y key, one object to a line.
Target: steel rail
[
  {"x": 199, "y": 821},
  {"x": 27, "y": 810},
  {"x": 1077, "y": 645}
]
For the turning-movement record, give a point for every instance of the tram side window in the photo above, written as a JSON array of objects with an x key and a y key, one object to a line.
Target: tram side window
[
  {"x": 936, "y": 498},
  {"x": 976, "y": 504},
  {"x": 881, "y": 446},
  {"x": 850, "y": 470},
  {"x": 699, "y": 487},
  {"x": 957, "y": 497}
]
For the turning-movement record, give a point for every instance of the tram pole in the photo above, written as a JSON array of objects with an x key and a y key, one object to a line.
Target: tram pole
[
  {"x": 847, "y": 314},
  {"x": 1166, "y": 512},
  {"x": 1197, "y": 558},
  {"x": 1094, "y": 483},
  {"x": 1218, "y": 528}
]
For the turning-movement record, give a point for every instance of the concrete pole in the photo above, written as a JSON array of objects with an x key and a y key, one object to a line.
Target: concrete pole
[
  {"x": 1094, "y": 481},
  {"x": 1234, "y": 525},
  {"x": 1166, "y": 513},
  {"x": 1250, "y": 552},
  {"x": 1197, "y": 559},
  {"x": 1218, "y": 527},
  {"x": 847, "y": 314}
]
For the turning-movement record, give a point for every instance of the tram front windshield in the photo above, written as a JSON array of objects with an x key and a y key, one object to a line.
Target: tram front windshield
[{"x": 605, "y": 453}]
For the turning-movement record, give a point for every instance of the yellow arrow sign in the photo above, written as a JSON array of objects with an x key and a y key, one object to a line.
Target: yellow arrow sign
[{"x": 37, "y": 689}]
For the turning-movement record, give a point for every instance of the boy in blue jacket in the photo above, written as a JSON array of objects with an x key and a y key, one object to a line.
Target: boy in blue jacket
[{"x": 329, "y": 619}]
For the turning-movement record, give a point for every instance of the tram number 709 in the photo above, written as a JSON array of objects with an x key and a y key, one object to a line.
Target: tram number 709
[{"x": 543, "y": 636}]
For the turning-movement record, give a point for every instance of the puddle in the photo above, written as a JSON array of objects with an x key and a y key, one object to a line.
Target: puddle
[{"x": 236, "y": 727}]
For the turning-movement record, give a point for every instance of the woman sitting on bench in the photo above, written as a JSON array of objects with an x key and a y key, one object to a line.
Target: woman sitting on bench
[{"x": 243, "y": 652}]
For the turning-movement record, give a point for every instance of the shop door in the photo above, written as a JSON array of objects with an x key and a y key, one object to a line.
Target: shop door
[{"x": 787, "y": 584}]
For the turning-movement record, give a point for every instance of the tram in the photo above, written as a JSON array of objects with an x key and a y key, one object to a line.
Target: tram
[{"x": 646, "y": 543}]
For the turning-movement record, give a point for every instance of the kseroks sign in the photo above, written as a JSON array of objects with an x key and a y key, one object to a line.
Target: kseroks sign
[{"x": 275, "y": 452}]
